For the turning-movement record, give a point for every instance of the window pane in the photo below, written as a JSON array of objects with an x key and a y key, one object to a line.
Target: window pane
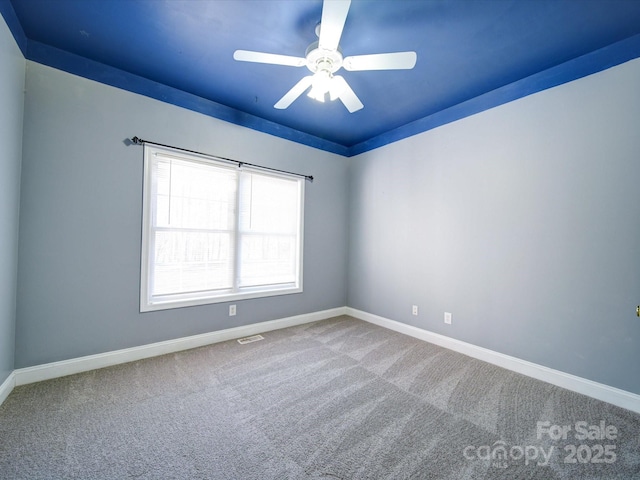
[
  {"x": 269, "y": 204},
  {"x": 194, "y": 195},
  {"x": 268, "y": 260},
  {"x": 269, "y": 229},
  {"x": 191, "y": 262}
]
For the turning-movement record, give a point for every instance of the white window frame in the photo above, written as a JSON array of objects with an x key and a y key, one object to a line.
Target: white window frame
[{"x": 150, "y": 303}]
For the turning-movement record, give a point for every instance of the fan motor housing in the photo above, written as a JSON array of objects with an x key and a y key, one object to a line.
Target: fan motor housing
[{"x": 319, "y": 59}]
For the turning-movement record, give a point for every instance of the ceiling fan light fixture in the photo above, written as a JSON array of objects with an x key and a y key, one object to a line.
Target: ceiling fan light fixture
[{"x": 320, "y": 85}]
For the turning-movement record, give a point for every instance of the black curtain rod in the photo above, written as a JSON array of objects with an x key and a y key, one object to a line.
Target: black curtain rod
[{"x": 140, "y": 141}]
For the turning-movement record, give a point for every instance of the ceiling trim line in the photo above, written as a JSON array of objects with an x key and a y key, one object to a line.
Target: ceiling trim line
[
  {"x": 11, "y": 19},
  {"x": 105, "y": 74},
  {"x": 585, "y": 65}
]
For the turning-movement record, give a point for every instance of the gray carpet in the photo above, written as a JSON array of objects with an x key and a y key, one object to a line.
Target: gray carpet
[{"x": 336, "y": 399}]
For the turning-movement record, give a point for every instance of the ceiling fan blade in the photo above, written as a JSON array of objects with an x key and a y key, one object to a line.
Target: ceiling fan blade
[
  {"x": 297, "y": 90},
  {"x": 334, "y": 14},
  {"x": 381, "y": 61},
  {"x": 342, "y": 90},
  {"x": 271, "y": 58}
]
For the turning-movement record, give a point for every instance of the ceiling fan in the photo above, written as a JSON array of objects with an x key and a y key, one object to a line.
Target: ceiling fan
[{"x": 324, "y": 58}]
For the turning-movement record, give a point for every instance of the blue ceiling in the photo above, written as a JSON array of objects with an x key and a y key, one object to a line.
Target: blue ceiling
[{"x": 472, "y": 55}]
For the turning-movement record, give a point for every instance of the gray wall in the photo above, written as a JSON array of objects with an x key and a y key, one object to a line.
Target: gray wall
[
  {"x": 80, "y": 229},
  {"x": 12, "y": 72},
  {"x": 522, "y": 221}
]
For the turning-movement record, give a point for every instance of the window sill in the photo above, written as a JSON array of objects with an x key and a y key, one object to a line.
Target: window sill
[{"x": 171, "y": 303}]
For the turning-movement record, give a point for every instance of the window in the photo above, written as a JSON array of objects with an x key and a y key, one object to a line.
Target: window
[{"x": 214, "y": 232}]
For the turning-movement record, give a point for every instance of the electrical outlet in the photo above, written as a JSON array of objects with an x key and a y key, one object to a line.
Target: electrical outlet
[
  {"x": 414, "y": 310},
  {"x": 232, "y": 310},
  {"x": 447, "y": 318}
]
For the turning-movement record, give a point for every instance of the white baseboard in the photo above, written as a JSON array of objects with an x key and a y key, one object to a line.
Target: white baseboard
[
  {"x": 7, "y": 386},
  {"x": 599, "y": 391},
  {"x": 22, "y": 376}
]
